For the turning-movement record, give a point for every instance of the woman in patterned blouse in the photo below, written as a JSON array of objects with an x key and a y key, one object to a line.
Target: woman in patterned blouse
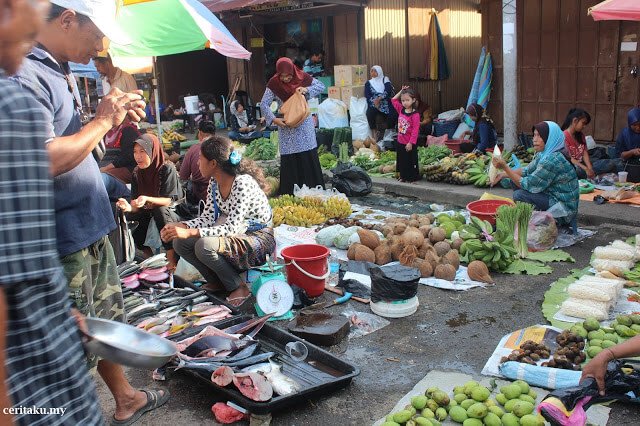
[
  {"x": 234, "y": 232},
  {"x": 549, "y": 182}
]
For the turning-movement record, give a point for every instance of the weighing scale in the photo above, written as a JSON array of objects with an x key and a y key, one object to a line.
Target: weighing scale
[{"x": 273, "y": 293}]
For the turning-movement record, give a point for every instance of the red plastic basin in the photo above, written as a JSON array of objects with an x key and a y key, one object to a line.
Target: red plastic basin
[
  {"x": 454, "y": 145},
  {"x": 486, "y": 209}
]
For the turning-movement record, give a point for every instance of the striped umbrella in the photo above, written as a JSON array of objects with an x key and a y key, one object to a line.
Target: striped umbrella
[
  {"x": 437, "y": 64},
  {"x": 484, "y": 92}
]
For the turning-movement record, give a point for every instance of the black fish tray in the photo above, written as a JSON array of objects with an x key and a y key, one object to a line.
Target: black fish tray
[
  {"x": 319, "y": 374},
  {"x": 181, "y": 282}
]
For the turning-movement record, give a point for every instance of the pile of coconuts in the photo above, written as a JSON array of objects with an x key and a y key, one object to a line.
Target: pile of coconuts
[{"x": 412, "y": 241}]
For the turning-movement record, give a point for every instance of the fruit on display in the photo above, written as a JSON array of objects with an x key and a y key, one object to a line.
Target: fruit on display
[
  {"x": 569, "y": 353},
  {"x": 529, "y": 352},
  {"x": 478, "y": 271},
  {"x": 495, "y": 249},
  {"x": 308, "y": 211},
  {"x": 478, "y": 172},
  {"x": 600, "y": 337}
]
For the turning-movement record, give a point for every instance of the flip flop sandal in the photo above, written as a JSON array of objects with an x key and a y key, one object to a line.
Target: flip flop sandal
[
  {"x": 154, "y": 400},
  {"x": 242, "y": 299}
]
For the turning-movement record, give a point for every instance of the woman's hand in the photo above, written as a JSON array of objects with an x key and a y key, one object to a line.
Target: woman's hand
[
  {"x": 279, "y": 122},
  {"x": 123, "y": 205},
  {"x": 590, "y": 173},
  {"x": 175, "y": 230},
  {"x": 499, "y": 163},
  {"x": 376, "y": 102},
  {"x": 262, "y": 120},
  {"x": 498, "y": 178},
  {"x": 597, "y": 368},
  {"x": 140, "y": 202},
  {"x": 408, "y": 147},
  {"x": 302, "y": 90}
]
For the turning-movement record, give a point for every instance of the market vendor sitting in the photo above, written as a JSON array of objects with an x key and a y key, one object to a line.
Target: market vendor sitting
[
  {"x": 549, "y": 182},
  {"x": 483, "y": 136},
  {"x": 154, "y": 187},
  {"x": 243, "y": 127},
  {"x": 628, "y": 146},
  {"x": 234, "y": 232}
]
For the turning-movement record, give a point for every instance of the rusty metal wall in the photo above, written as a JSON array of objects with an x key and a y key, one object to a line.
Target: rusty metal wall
[{"x": 386, "y": 43}]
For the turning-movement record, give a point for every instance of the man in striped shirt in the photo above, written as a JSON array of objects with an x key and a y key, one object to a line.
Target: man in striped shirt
[{"x": 44, "y": 379}]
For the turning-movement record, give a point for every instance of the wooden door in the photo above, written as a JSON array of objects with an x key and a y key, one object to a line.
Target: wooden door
[{"x": 628, "y": 73}]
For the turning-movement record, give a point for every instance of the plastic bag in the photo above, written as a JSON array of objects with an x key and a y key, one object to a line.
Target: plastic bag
[
  {"x": 152, "y": 239},
  {"x": 454, "y": 114},
  {"x": 188, "y": 272},
  {"x": 393, "y": 282},
  {"x": 351, "y": 180},
  {"x": 295, "y": 110},
  {"x": 462, "y": 127},
  {"x": 353, "y": 286},
  {"x": 332, "y": 113},
  {"x": 568, "y": 406},
  {"x": 542, "y": 232},
  {"x": 359, "y": 124},
  {"x": 317, "y": 192},
  {"x": 363, "y": 323},
  {"x": 121, "y": 238},
  {"x": 437, "y": 140}
]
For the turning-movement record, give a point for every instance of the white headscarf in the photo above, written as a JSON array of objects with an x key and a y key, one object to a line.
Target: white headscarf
[
  {"x": 243, "y": 119},
  {"x": 377, "y": 84}
]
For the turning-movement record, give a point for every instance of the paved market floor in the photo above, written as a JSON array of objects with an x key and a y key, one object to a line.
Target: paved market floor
[{"x": 454, "y": 331}]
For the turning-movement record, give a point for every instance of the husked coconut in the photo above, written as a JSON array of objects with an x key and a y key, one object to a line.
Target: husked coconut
[
  {"x": 442, "y": 248},
  {"x": 457, "y": 243},
  {"x": 452, "y": 258},
  {"x": 364, "y": 254},
  {"x": 369, "y": 238},
  {"x": 399, "y": 228},
  {"x": 445, "y": 272},
  {"x": 383, "y": 254},
  {"x": 425, "y": 230},
  {"x": 412, "y": 237},
  {"x": 424, "y": 266},
  {"x": 422, "y": 250},
  {"x": 437, "y": 235},
  {"x": 408, "y": 255}
]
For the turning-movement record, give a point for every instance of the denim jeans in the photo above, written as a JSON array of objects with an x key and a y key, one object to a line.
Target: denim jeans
[
  {"x": 115, "y": 188},
  {"x": 539, "y": 201},
  {"x": 599, "y": 167}
]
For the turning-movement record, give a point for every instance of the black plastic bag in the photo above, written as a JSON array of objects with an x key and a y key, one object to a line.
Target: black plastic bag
[
  {"x": 618, "y": 384},
  {"x": 121, "y": 239},
  {"x": 353, "y": 286},
  {"x": 351, "y": 180},
  {"x": 393, "y": 282}
]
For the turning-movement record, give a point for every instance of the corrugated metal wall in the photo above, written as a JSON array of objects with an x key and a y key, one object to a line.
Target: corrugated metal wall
[{"x": 387, "y": 44}]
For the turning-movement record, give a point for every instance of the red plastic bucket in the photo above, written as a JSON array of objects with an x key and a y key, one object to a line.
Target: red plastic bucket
[
  {"x": 307, "y": 267},
  {"x": 486, "y": 209}
]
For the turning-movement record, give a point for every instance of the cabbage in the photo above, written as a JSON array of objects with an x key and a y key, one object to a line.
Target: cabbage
[
  {"x": 341, "y": 240},
  {"x": 354, "y": 238},
  {"x": 325, "y": 236}
]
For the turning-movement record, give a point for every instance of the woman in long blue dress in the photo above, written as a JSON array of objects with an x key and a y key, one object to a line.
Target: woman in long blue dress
[{"x": 299, "y": 163}]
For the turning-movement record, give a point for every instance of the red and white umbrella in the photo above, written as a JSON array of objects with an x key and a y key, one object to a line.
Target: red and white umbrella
[{"x": 616, "y": 10}]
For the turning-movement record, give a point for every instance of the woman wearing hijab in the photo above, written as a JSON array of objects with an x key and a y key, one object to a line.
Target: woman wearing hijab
[
  {"x": 154, "y": 187},
  {"x": 379, "y": 91},
  {"x": 299, "y": 163},
  {"x": 484, "y": 134},
  {"x": 549, "y": 182},
  {"x": 628, "y": 146},
  {"x": 243, "y": 128}
]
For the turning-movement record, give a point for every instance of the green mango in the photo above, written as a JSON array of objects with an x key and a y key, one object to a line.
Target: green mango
[
  {"x": 524, "y": 386},
  {"x": 452, "y": 403},
  {"x": 527, "y": 398},
  {"x": 579, "y": 331},
  {"x": 511, "y": 391},
  {"x": 458, "y": 414},
  {"x": 434, "y": 422},
  {"x": 591, "y": 324},
  {"x": 480, "y": 393},
  {"x": 419, "y": 402},
  {"x": 592, "y": 351},
  {"x": 595, "y": 342},
  {"x": 472, "y": 422},
  {"x": 390, "y": 424},
  {"x": 508, "y": 407},
  {"x": 497, "y": 411},
  {"x": 624, "y": 320},
  {"x": 433, "y": 406},
  {"x": 467, "y": 403},
  {"x": 635, "y": 327},
  {"x": 635, "y": 318},
  {"x": 430, "y": 391},
  {"x": 531, "y": 420},
  {"x": 458, "y": 390},
  {"x": 522, "y": 408},
  {"x": 610, "y": 336},
  {"x": 492, "y": 420},
  {"x": 441, "y": 398},
  {"x": 625, "y": 331},
  {"x": 510, "y": 419},
  {"x": 402, "y": 416},
  {"x": 501, "y": 398},
  {"x": 422, "y": 421},
  {"x": 533, "y": 394},
  {"x": 389, "y": 417},
  {"x": 428, "y": 413},
  {"x": 410, "y": 408},
  {"x": 607, "y": 344},
  {"x": 441, "y": 414},
  {"x": 597, "y": 334},
  {"x": 477, "y": 411},
  {"x": 490, "y": 403},
  {"x": 459, "y": 397}
]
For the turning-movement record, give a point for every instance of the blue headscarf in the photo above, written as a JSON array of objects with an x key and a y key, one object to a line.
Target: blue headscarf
[
  {"x": 631, "y": 139},
  {"x": 552, "y": 136}
]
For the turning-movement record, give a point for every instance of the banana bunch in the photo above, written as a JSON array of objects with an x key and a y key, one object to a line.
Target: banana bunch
[
  {"x": 172, "y": 135},
  {"x": 495, "y": 249},
  {"x": 337, "y": 207},
  {"x": 284, "y": 200},
  {"x": 312, "y": 202},
  {"x": 459, "y": 178},
  {"x": 477, "y": 171},
  {"x": 465, "y": 161},
  {"x": 297, "y": 215}
]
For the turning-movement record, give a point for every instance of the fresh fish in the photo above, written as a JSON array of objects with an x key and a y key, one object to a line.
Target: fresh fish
[
  {"x": 177, "y": 328},
  {"x": 212, "y": 318},
  {"x": 281, "y": 384},
  {"x": 245, "y": 326},
  {"x": 170, "y": 310},
  {"x": 178, "y": 320},
  {"x": 200, "y": 299},
  {"x": 147, "y": 307},
  {"x": 207, "y": 312},
  {"x": 219, "y": 343},
  {"x": 257, "y": 368},
  {"x": 159, "y": 329},
  {"x": 207, "y": 331},
  {"x": 252, "y": 360},
  {"x": 196, "y": 295},
  {"x": 212, "y": 366},
  {"x": 151, "y": 322}
]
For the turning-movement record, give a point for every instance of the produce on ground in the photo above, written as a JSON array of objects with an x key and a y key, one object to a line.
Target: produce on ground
[
  {"x": 599, "y": 336},
  {"x": 514, "y": 220},
  {"x": 262, "y": 149},
  {"x": 569, "y": 353},
  {"x": 617, "y": 258},
  {"x": 495, "y": 249},
  {"x": 308, "y": 211},
  {"x": 529, "y": 352}
]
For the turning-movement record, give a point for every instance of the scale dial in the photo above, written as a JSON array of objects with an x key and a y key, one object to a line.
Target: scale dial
[{"x": 275, "y": 296}]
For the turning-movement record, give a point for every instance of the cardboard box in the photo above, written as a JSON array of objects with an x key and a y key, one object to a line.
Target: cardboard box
[
  {"x": 347, "y": 92},
  {"x": 334, "y": 92},
  {"x": 350, "y": 75},
  {"x": 327, "y": 81}
]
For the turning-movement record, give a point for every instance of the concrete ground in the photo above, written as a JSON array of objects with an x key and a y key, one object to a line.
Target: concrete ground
[{"x": 455, "y": 331}]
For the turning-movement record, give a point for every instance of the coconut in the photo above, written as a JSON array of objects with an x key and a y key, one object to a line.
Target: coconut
[
  {"x": 357, "y": 144},
  {"x": 424, "y": 266},
  {"x": 389, "y": 168},
  {"x": 442, "y": 247},
  {"x": 351, "y": 253},
  {"x": 424, "y": 220},
  {"x": 367, "y": 142},
  {"x": 364, "y": 254},
  {"x": 478, "y": 271},
  {"x": 457, "y": 243},
  {"x": 374, "y": 146},
  {"x": 432, "y": 258},
  {"x": 422, "y": 250},
  {"x": 369, "y": 238},
  {"x": 425, "y": 230},
  {"x": 408, "y": 255},
  {"x": 396, "y": 248},
  {"x": 431, "y": 217},
  {"x": 414, "y": 223},
  {"x": 436, "y": 235},
  {"x": 445, "y": 272},
  {"x": 452, "y": 258},
  {"x": 383, "y": 254},
  {"x": 412, "y": 237},
  {"x": 399, "y": 228},
  {"x": 414, "y": 216}
]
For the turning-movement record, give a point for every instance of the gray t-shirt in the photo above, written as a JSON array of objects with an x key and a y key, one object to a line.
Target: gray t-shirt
[{"x": 83, "y": 212}]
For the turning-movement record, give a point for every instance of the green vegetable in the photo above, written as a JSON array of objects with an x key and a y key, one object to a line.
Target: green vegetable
[
  {"x": 328, "y": 160},
  {"x": 432, "y": 153},
  {"x": 363, "y": 161},
  {"x": 344, "y": 153},
  {"x": 525, "y": 210},
  {"x": 262, "y": 149}
]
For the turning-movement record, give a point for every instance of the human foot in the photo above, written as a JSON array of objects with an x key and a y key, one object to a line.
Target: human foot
[
  {"x": 130, "y": 411},
  {"x": 238, "y": 296}
]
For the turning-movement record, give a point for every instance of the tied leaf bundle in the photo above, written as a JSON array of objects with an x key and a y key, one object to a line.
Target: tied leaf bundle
[
  {"x": 344, "y": 153},
  {"x": 514, "y": 220},
  {"x": 525, "y": 210}
]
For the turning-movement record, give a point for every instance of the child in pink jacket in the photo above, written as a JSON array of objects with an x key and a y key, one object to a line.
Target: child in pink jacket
[{"x": 405, "y": 102}]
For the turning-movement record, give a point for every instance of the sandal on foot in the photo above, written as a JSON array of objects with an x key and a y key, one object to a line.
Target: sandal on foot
[
  {"x": 242, "y": 299},
  {"x": 213, "y": 287},
  {"x": 154, "y": 400}
]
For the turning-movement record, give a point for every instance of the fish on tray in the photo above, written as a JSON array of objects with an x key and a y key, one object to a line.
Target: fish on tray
[{"x": 282, "y": 384}]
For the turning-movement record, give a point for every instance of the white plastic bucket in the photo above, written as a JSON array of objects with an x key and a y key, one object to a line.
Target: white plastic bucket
[{"x": 191, "y": 104}]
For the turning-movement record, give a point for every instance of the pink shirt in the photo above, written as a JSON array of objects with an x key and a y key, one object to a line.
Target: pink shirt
[{"x": 408, "y": 124}]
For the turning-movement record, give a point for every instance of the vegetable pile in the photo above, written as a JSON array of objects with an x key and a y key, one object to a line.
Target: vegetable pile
[{"x": 262, "y": 149}]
